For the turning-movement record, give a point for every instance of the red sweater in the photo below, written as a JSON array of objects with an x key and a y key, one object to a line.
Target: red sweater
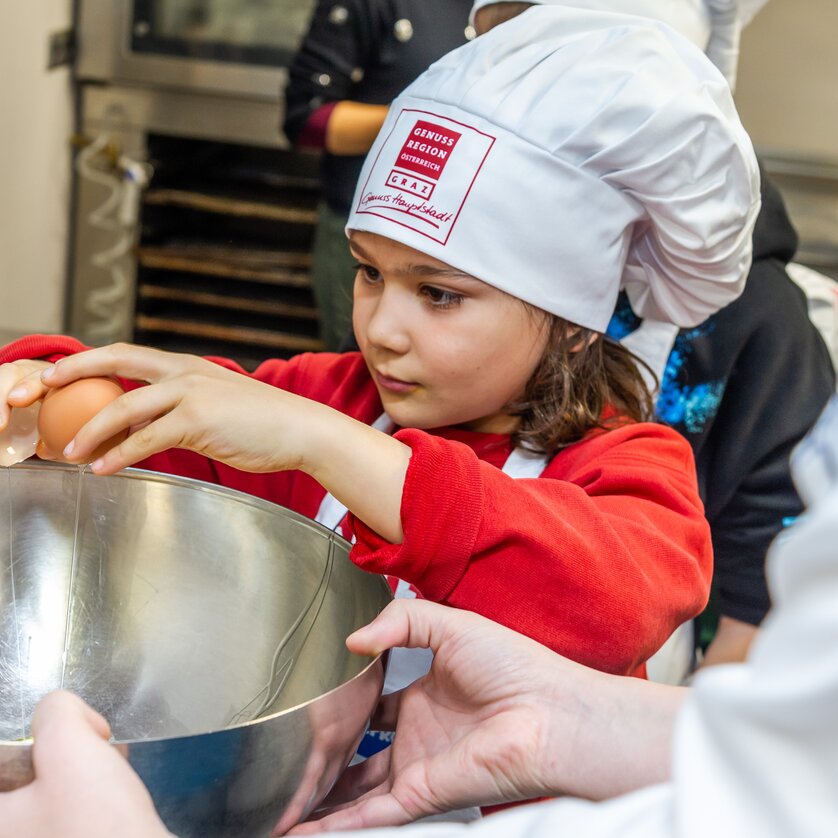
[{"x": 600, "y": 558}]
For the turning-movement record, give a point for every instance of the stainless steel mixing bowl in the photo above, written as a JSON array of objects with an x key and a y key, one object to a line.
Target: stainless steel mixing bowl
[{"x": 207, "y": 626}]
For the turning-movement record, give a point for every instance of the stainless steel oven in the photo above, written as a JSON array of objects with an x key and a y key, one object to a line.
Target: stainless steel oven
[
  {"x": 219, "y": 46},
  {"x": 214, "y": 255}
]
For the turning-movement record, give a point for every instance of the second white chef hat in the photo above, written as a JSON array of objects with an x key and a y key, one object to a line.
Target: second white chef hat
[{"x": 713, "y": 25}]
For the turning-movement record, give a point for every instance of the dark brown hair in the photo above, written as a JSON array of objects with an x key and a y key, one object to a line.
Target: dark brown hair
[{"x": 581, "y": 373}]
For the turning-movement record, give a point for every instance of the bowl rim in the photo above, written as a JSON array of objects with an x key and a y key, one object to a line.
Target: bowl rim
[
  {"x": 189, "y": 482},
  {"x": 242, "y": 497}
]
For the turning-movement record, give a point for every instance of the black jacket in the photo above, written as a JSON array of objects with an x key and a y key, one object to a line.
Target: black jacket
[
  {"x": 366, "y": 51},
  {"x": 744, "y": 388}
]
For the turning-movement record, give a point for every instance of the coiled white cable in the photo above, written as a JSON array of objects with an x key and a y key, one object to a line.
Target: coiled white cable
[{"x": 119, "y": 214}]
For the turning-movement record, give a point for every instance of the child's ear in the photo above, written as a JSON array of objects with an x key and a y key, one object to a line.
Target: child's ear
[{"x": 583, "y": 343}]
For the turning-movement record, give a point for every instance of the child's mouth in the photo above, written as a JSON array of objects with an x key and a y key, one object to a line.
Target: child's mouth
[{"x": 394, "y": 385}]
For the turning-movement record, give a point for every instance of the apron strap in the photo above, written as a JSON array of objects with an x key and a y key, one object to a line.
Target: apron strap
[{"x": 522, "y": 463}]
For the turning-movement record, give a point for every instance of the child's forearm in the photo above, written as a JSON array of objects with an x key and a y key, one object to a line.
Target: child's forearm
[{"x": 362, "y": 467}]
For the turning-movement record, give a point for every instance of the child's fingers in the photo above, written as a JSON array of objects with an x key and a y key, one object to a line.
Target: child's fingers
[
  {"x": 20, "y": 386},
  {"x": 45, "y": 454},
  {"x": 138, "y": 410},
  {"x": 27, "y": 390},
  {"x": 162, "y": 434},
  {"x": 123, "y": 360}
]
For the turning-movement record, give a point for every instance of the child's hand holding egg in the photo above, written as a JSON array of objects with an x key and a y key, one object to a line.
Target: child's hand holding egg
[{"x": 65, "y": 410}]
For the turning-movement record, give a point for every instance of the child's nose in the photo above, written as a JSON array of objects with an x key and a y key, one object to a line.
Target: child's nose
[{"x": 388, "y": 324}]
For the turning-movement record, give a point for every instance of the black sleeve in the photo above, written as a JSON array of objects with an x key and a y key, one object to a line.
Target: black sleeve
[
  {"x": 780, "y": 382},
  {"x": 340, "y": 44}
]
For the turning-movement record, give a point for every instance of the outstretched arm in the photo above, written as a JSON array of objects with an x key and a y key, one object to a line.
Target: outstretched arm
[{"x": 199, "y": 406}]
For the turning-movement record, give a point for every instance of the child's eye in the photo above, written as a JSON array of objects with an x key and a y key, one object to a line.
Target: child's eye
[
  {"x": 440, "y": 298},
  {"x": 368, "y": 272}
]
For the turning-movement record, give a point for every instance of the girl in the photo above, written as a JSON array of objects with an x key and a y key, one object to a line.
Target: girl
[{"x": 487, "y": 440}]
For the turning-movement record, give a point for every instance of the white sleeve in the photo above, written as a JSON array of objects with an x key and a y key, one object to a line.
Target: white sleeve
[
  {"x": 644, "y": 814},
  {"x": 756, "y": 748}
]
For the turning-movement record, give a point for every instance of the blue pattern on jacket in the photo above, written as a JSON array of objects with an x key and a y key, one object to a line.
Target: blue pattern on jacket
[{"x": 688, "y": 407}]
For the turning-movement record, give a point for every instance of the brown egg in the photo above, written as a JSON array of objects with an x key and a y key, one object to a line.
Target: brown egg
[{"x": 65, "y": 410}]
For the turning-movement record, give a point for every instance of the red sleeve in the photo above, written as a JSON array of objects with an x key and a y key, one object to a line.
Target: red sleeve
[
  {"x": 313, "y": 134},
  {"x": 46, "y": 347},
  {"x": 54, "y": 347},
  {"x": 600, "y": 565}
]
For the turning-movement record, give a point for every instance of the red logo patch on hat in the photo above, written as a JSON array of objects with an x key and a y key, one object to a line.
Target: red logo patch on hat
[
  {"x": 423, "y": 148},
  {"x": 422, "y": 159}
]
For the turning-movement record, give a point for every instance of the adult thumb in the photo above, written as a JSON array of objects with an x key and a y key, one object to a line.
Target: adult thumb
[{"x": 411, "y": 623}]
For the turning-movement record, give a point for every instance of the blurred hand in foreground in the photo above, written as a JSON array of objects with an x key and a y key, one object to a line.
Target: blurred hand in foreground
[{"x": 83, "y": 786}]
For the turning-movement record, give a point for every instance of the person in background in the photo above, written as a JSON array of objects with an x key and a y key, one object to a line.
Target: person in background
[
  {"x": 744, "y": 386},
  {"x": 750, "y": 750},
  {"x": 487, "y": 438},
  {"x": 357, "y": 57}
]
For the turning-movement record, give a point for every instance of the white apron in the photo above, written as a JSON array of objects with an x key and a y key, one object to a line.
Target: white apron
[{"x": 652, "y": 342}]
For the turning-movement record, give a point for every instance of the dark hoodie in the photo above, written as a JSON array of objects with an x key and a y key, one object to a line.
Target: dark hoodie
[{"x": 744, "y": 387}]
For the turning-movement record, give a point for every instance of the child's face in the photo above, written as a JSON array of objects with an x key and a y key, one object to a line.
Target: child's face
[{"x": 443, "y": 347}]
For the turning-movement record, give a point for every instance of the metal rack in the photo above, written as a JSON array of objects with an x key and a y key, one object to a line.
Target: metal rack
[
  {"x": 222, "y": 257},
  {"x": 224, "y": 254},
  {"x": 215, "y": 256}
]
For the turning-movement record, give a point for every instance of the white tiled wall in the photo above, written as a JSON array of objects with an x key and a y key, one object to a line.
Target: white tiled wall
[{"x": 35, "y": 125}]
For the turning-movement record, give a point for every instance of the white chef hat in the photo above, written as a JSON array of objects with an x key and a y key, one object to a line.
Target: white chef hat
[
  {"x": 712, "y": 25},
  {"x": 568, "y": 154}
]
